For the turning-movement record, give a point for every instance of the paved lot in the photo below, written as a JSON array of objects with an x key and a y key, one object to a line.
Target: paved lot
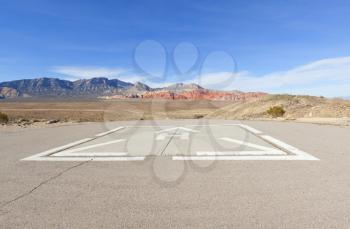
[{"x": 187, "y": 173}]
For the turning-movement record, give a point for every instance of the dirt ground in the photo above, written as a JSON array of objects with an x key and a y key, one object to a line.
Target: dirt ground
[{"x": 95, "y": 110}]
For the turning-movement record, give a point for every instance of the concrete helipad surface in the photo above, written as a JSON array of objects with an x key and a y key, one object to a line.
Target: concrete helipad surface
[
  {"x": 169, "y": 186},
  {"x": 181, "y": 142}
]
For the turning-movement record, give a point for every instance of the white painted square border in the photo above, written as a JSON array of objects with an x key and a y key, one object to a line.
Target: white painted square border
[{"x": 296, "y": 154}]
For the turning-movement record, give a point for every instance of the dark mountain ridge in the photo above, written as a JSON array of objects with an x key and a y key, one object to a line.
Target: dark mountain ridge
[{"x": 56, "y": 87}]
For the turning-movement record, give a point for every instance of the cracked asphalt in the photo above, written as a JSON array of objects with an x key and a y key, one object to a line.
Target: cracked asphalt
[{"x": 228, "y": 194}]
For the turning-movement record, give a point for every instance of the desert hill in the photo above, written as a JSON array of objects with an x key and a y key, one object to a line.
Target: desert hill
[{"x": 295, "y": 106}]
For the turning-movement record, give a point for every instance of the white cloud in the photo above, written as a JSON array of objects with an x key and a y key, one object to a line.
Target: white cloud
[
  {"x": 74, "y": 72},
  {"x": 328, "y": 77},
  {"x": 216, "y": 80}
]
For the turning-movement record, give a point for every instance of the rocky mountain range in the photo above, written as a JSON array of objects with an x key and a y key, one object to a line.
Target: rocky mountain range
[
  {"x": 111, "y": 89},
  {"x": 56, "y": 87}
]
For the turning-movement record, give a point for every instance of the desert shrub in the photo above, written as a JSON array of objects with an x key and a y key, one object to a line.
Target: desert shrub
[
  {"x": 3, "y": 118},
  {"x": 276, "y": 111},
  {"x": 198, "y": 116}
]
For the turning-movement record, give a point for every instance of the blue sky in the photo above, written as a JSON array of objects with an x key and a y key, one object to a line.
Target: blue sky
[{"x": 277, "y": 46}]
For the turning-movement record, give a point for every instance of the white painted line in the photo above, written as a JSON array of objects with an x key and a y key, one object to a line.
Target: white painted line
[
  {"x": 248, "y": 144},
  {"x": 172, "y": 126},
  {"x": 242, "y": 158},
  {"x": 183, "y": 136},
  {"x": 149, "y": 126},
  {"x": 202, "y": 125},
  {"x": 50, "y": 158},
  {"x": 91, "y": 146},
  {"x": 161, "y": 137},
  {"x": 109, "y": 132},
  {"x": 250, "y": 129},
  {"x": 185, "y": 125},
  {"x": 178, "y": 128},
  {"x": 289, "y": 148},
  {"x": 90, "y": 154},
  {"x": 51, "y": 151},
  {"x": 241, "y": 153}
]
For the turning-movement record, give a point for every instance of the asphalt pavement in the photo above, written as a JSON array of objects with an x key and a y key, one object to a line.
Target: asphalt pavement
[{"x": 182, "y": 174}]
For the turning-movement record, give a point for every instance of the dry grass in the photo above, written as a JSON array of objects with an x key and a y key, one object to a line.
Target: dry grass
[{"x": 3, "y": 118}]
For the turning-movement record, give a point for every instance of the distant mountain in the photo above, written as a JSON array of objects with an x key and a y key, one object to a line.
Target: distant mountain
[
  {"x": 99, "y": 86},
  {"x": 182, "y": 87},
  {"x": 113, "y": 88},
  {"x": 41, "y": 86},
  {"x": 57, "y": 87}
]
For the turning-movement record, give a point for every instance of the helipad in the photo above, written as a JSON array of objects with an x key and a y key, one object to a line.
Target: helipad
[{"x": 186, "y": 142}]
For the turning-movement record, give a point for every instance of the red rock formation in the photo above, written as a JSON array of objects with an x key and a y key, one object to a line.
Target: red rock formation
[
  {"x": 198, "y": 94},
  {"x": 202, "y": 94}
]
